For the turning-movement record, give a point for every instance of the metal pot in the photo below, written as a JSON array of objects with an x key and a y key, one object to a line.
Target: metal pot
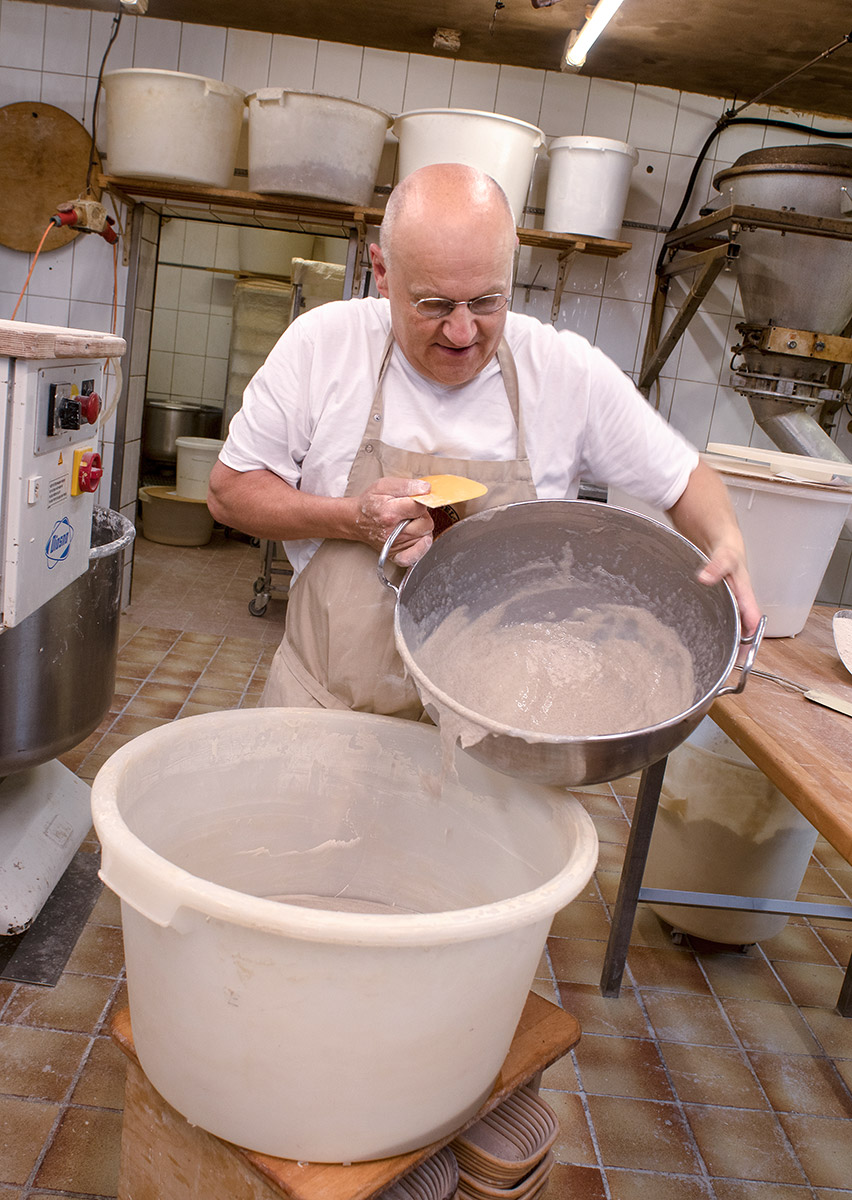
[
  {"x": 165, "y": 422},
  {"x": 618, "y": 557},
  {"x": 57, "y": 668}
]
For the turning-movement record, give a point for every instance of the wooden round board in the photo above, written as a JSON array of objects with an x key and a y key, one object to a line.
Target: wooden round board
[{"x": 44, "y": 158}]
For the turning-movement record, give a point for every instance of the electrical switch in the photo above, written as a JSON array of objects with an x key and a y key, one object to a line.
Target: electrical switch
[
  {"x": 86, "y": 471},
  {"x": 33, "y": 489}
]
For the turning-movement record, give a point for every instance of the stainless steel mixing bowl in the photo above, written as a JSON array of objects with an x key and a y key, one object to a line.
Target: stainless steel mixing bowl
[{"x": 619, "y": 557}]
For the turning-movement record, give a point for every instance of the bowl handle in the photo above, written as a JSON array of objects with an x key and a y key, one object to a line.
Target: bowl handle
[
  {"x": 383, "y": 557},
  {"x": 753, "y": 642}
]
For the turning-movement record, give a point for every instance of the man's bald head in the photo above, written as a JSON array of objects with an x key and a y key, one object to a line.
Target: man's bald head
[{"x": 444, "y": 194}]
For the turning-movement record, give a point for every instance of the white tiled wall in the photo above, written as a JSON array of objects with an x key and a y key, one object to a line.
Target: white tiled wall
[{"x": 53, "y": 55}]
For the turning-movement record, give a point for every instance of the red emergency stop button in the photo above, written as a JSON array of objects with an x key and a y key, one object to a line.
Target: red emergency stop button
[
  {"x": 89, "y": 471},
  {"x": 90, "y": 406}
]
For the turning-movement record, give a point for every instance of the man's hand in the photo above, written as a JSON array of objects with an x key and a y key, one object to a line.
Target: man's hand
[{"x": 381, "y": 508}]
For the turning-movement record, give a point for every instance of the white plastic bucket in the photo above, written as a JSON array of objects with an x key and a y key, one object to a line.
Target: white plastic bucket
[
  {"x": 174, "y": 520},
  {"x": 587, "y": 185},
  {"x": 504, "y": 147},
  {"x": 195, "y": 459},
  {"x": 723, "y": 827},
  {"x": 168, "y": 125},
  {"x": 302, "y": 144},
  {"x": 377, "y": 1021},
  {"x": 790, "y": 531}
]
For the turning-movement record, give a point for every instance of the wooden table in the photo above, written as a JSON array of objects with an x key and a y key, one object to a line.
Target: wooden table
[
  {"x": 803, "y": 748},
  {"x": 163, "y": 1157}
]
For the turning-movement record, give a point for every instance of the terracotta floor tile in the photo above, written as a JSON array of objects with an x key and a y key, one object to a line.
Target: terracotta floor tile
[
  {"x": 742, "y": 1189},
  {"x": 218, "y": 697},
  {"x": 149, "y": 706},
  {"x": 569, "y": 1182},
  {"x": 561, "y": 1076},
  {"x": 84, "y": 1153},
  {"x": 545, "y": 988},
  {"x": 833, "y": 1032},
  {"x": 607, "y": 882},
  {"x": 838, "y": 941},
  {"x": 574, "y": 1142},
  {"x": 650, "y": 930},
  {"x": 101, "y": 1082},
  {"x": 612, "y": 829},
  {"x": 683, "y": 1018},
  {"x": 601, "y": 803},
  {"x": 712, "y": 1075},
  {"x": 778, "y": 1028},
  {"x": 797, "y": 943},
  {"x": 582, "y": 919},
  {"x": 824, "y": 1148},
  {"x": 134, "y": 723},
  {"x": 24, "y": 1126},
  {"x": 575, "y": 960},
  {"x": 619, "y": 1015},
  {"x": 619, "y": 1066},
  {"x": 99, "y": 951},
  {"x": 672, "y": 968},
  {"x": 39, "y": 1063},
  {"x": 741, "y": 1144},
  {"x": 819, "y": 884},
  {"x": 642, "y": 1135},
  {"x": 74, "y": 1005},
  {"x": 800, "y": 1084},
  {"x": 645, "y": 1185},
  {"x": 107, "y": 909},
  {"x": 610, "y": 856},
  {"x": 844, "y": 1070},
  {"x": 748, "y": 975},
  {"x": 809, "y": 984}
]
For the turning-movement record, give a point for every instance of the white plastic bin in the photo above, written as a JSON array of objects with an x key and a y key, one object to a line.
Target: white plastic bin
[
  {"x": 169, "y": 125},
  {"x": 587, "y": 185},
  {"x": 302, "y": 144},
  {"x": 174, "y": 520},
  {"x": 723, "y": 827},
  {"x": 195, "y": 459},
  {"x": 504, "y": 147},
  {"x": 328, "y": 950}
]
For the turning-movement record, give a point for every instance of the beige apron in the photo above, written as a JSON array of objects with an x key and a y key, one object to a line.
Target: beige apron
[{"x": 338, "y": 649}]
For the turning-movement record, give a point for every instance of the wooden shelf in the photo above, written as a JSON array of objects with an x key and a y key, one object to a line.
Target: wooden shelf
[{"x": 322, "y": 211}]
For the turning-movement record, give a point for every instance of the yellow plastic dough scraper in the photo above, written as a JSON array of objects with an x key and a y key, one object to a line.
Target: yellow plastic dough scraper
[{"x": 449, "y": 489}]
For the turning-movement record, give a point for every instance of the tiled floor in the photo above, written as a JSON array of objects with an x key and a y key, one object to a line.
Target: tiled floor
[{"x": 714, "y": 1074}]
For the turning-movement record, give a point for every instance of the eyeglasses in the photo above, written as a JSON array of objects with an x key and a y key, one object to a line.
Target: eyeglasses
[{"x": 435, "y": 307}]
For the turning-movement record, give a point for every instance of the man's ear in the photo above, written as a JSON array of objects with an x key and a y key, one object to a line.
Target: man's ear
[{"x": 380, "y": 274}]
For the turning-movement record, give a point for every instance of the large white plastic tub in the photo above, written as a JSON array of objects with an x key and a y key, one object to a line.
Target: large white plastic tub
[
  {"x": 723, "y": 827},
  {"x": 504, "y": 147},
  {"x": 587, "y": 185},
  {"x": 378, "y": 1021},
  {"x": 168, "y": 125},
  {"x": 195, "y": 459},
  {"x": 302, "y": 144}
]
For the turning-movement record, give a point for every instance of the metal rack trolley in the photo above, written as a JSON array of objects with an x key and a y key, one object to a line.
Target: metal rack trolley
[{"x": 273, "y": 563}]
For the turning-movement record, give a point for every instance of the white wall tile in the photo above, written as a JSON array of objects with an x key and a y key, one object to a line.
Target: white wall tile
[
  {"x": 199, "y": 247},
  {"x": 619, "y": 326},
  {"x": 475, "y": 86},
  {"x": 692, "y": 410},
  {"x": 195, "y": 291},
  {"x": 788, "y": 137},
  {"x": 609, "y": 109},
  {"x": 677, "y": 179},
  {"x": 52, "y": 273},
  {"x": 202, "y": 50},
  {"x": 130, "y": 472},
  {"x": 704, "y": 347},
  {"x": 218, "y": 337},
  {"x": 135, "y": 406},
  {"x": 293, "y": 63},
  {"x": 215, "y": 380},
  {"x": 89, "y": 314},
  {"x": 338, "y": 70},
  {"x": 22, "y": 35},
  {"x": 14, "y": 265},
  {"x": 45, "y": 310},
  {"x": 172, "y": 235},
  {"x": 120, "y": 52},
  {"x": 647, "y": 185},
  {"x": 247, "y": 55},
  {"x": 227, "y": 256},
  {"x": 586, "y": 274},
  {"x": 579, "y": 313},
  {"x": 383, "y": 80},
  {"x": 652, "y": 120},
  {"x": 160, "y": 363},
  {"x": 732, "y": 421},
  {"x": 222, "y": 296},
  {"x": 157, "y": 44},
  {"x": 628, "y": 276},
  {"x": 564, "y": 101},
  {"x": 18, "y": 85},
  {"x": 739, "y": 139},
  {"x": 696, "y": 116},
  {"x": 191, "y": 333},
  {"x": 67, "y": 92},
  {"x": 66, "y": 40},
  {"x": 188, "y": 376},
  {"x": 164, "y": 329},
  {"x": 91, "y": 269},
  {"x": 519, "y": 93},
  {"x": 428, "y": 83},
  {"x": 167, "y": 293}
]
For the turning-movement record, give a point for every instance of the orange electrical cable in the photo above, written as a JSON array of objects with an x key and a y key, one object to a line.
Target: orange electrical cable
[{"x": 32, "y": 268}]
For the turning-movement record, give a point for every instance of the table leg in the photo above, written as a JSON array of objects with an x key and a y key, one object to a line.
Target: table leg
[{"x": 630, "y": 884}]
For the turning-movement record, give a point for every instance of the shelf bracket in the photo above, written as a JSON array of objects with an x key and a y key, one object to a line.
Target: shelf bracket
[{"x": 565, "y": 262}]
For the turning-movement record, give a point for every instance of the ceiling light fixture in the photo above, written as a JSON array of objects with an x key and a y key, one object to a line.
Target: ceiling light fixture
[{"x": 579, "y": 43}]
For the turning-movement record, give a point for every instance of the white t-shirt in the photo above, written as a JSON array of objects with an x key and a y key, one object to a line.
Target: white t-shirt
[{"x": 304, "y": 412}]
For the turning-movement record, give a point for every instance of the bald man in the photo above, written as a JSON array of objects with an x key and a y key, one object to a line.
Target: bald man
[{"x": 360, "y": 398}]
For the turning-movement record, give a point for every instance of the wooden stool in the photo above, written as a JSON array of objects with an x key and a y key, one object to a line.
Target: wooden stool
[{"x": 163, "y": 1157}]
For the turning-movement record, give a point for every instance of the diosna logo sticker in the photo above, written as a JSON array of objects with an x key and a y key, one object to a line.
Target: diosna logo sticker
[{"x": 59, "y": 543}]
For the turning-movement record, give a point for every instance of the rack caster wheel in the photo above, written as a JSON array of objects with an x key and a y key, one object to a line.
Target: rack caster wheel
[{"x": 257, "y": 607}]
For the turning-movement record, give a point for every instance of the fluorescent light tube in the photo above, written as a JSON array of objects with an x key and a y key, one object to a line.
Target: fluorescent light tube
[{"x": 577, "y": 47}]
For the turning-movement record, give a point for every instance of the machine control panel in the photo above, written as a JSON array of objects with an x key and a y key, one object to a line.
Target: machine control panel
[{"x": 70, "y": 407}]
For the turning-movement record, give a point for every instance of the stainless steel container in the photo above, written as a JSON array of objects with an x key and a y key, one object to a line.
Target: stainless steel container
[
  {"x": 209, "y": 421},
  {"x": 57, "y": 668},
  {"x": 165, "y": 421},
  {"x": 617, "y": 557}
]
